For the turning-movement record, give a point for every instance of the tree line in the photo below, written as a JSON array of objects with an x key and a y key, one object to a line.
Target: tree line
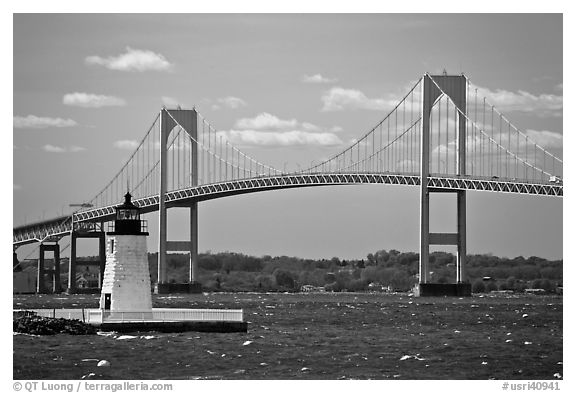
[{"x": 391, "y": 270}]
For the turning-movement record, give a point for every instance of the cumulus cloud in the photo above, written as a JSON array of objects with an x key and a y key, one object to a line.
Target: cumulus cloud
[
  {"x": 266, "y": 121},
  {"x": 32, "y": 121},
  {"x": 132, "y": 60},
  {"x": 338, "y": 98},
  {"x": 559, "y": 87},
  {"x": 53, "y": 149},
  {"x": 546, "y": 139},
  {"x": 318, "y": 78},
  {"x": 86, "y": 100},
  {"x": 276, "y": 138},
  {"x": 62, "y": 149},
  {"x": 76, "y": 149},
  {"x": 232, "y": 102},
  {"x": 126, "y": 144},
  {"x": 266, "y": 129},
  {"x": 170, "y": 101},
  {"x": 543, "y": 105}
]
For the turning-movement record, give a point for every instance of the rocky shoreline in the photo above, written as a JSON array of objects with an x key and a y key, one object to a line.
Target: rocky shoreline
[{"x": 30, "y": 323}]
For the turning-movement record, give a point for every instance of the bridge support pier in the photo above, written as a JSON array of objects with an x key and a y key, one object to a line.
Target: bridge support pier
[
  {"x": 455, "y": 88},
  {"x": 53, "y": 273},
  {"x": 188, "y": 120},
  {"x": 73, "y": 262}
]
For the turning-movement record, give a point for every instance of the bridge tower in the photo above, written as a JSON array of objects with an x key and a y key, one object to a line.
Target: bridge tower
[
  {"x": 433, "y": 87},
  {"x": 188, "y": 120}
]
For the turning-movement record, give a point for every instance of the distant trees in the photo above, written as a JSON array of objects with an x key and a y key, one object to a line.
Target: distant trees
[
  {"x": 491, "y": 286},
  {"x": 284, "y": 278},
  {"x": 398, "y": 270},
  {"x": 478, "y": 287}
]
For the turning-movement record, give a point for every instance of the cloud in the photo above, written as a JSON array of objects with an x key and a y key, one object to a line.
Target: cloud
[
  {"x": 232, "y": 102},
  {"x": 32, "y": 121},
  {"x": 126, "y": 144},
  {"x": 266, "y": 121},
  {"x": 170, "y": 101},
  {"x": 559, "y": 87},
  {"x": 266, "y": 129},
  {"x": 543, "y": 105},
  {"x": 547, "y": 139},
  {"x": 228, "y": 102},
  {"x": 338, "y": 98},
  {"x": 86, "y": 100},
  {"x": 132, "y": 60},
  {"x": 60, "y": 149},
  {"x": 53, "y": 149},
  {"x": 317, "y": 78},
  {"x": 287, "y": 138},
  {"x": 310, "y": 127},
  {"x": 76, "y": 149}
]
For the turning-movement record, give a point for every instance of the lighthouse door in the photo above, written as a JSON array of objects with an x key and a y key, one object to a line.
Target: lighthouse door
[{"x": 107, "y": 301}]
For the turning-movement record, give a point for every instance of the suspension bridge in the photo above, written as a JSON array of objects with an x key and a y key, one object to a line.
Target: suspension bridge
[{"x": 442, "y": 136}]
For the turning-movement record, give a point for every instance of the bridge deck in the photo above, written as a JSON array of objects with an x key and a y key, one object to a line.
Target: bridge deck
[{"x": 61, "y": 226}]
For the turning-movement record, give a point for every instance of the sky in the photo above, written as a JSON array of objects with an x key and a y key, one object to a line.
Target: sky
[{"x": 86, "y": 86}]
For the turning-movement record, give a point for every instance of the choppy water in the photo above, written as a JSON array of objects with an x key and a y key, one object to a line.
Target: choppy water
[{"x": 316, "y": 336}]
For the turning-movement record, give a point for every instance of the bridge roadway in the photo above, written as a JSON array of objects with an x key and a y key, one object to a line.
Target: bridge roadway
[{"x": 61, "y": 226}]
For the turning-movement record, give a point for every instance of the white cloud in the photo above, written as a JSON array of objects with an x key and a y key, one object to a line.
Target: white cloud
[
  {"x": 126, "y": 144},
  {"x": 265, "y": 121},
  {"x": 318, "y": 78},
  {"x": 543, "y": 105},
  {"x": 171, "y": 102},
  {"x": 86, "y": 100},
  {"x": 310, "y": 127},
  {"x": 546, "y": 139},
  {"x": 407, "y": 166},
  {"x": 287, "y": 138},
  {"x": 60, "y": 149},
  {"x": 266, "y": 129},
  {"x": 76, "y": 149},
  {"x": 53, "y": 149},
  {"x": 232, "y": 102},
  {"x": 559, "y": 87},
  {"x": 132, "y": 60},
  {"x": 338, "y": 98},
  {"x": 32, "y": 121}
]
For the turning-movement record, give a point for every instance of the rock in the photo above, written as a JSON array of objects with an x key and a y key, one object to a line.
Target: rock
[
  {"x": 33, "y": 324},
  {"x": 103, "y": 363}
]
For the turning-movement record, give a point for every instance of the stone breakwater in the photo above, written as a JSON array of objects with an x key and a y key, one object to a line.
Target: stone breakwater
[{"x": 33, "y": 324}]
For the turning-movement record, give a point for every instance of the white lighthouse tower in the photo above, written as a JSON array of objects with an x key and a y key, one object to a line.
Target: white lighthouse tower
[{"x": 126, "y": 284}]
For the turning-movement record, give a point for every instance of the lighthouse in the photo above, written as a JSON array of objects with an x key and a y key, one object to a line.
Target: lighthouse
[{"x": 126, "y": 284}]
